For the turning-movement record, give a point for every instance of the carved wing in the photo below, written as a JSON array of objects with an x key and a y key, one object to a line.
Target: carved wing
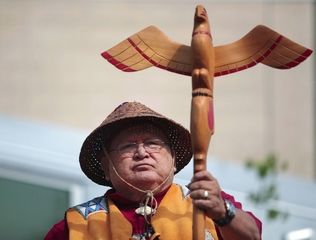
[
  {"x": 260, "y": 45},
  {"x": 151, "y": 47}
]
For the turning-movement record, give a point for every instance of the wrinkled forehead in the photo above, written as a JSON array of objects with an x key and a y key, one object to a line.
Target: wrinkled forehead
[{"x": 138, "y": 132}]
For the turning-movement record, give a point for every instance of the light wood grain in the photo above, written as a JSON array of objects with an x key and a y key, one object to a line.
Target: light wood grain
[{"x": 260, "y": 45}]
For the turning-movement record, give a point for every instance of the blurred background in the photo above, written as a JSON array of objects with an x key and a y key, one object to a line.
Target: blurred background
[{"x": 55, "y": 88}]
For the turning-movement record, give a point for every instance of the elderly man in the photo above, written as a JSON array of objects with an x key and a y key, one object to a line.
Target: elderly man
[{"x": 137, "y": 152}]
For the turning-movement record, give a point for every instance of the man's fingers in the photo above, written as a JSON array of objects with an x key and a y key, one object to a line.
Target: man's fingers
[
  {"x": 204, "y": 184},
  {"x": 200, "y": 194}
]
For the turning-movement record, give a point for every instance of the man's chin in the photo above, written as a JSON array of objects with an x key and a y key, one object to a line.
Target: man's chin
[
  {"x": 146, "y": 175},
  {"x": 146, "y": 178}
]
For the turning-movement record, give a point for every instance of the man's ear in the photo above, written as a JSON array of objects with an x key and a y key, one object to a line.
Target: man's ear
[{"x": 173, "y": 155}]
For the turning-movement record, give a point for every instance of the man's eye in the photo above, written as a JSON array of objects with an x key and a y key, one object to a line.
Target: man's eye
[
  {"x": 126, "y": 146},
  {"x": 154, "y": 143}
]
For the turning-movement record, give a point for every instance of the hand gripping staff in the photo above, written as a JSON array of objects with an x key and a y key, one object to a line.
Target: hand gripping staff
[{"x": 151, "y": 47}]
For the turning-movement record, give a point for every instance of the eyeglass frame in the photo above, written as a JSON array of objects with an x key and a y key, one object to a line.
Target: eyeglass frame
[{"x": 122, "y": 148}]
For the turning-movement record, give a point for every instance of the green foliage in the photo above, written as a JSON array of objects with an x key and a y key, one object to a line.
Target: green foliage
[{"x": 267, "y": 169}]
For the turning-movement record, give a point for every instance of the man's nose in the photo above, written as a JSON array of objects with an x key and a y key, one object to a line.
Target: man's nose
[{"x": 141, "y": 151}]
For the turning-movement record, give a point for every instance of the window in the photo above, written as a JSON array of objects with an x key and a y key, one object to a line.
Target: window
[{"x": 28, "y": 210}]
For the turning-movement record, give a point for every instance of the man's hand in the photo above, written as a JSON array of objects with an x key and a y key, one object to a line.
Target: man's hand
[{"x": 206, "y": 195}]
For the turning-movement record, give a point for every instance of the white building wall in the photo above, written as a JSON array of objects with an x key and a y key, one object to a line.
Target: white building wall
[{"x": 51, "y": 70}]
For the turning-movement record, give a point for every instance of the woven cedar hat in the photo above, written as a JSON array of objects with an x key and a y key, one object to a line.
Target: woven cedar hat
[{"x": 125, "y": 115}]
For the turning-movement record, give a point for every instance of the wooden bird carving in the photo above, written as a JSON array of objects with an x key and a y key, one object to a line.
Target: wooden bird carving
[{"x": 151, "y": 47}]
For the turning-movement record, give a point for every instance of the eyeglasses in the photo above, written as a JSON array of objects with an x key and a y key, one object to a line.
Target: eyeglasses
[{"x": 128, "y": 149}]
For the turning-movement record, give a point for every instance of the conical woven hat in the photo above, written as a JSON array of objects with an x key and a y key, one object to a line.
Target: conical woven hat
[{"x": 125, "y": 115}]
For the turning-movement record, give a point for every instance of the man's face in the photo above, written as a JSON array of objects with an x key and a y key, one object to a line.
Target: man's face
[{"x": 141, "y": 156}]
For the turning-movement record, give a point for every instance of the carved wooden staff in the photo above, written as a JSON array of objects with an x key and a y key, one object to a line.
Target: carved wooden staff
[
  {"x": 151, "y": 47},
  {"x": 202, "y": 119}
]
